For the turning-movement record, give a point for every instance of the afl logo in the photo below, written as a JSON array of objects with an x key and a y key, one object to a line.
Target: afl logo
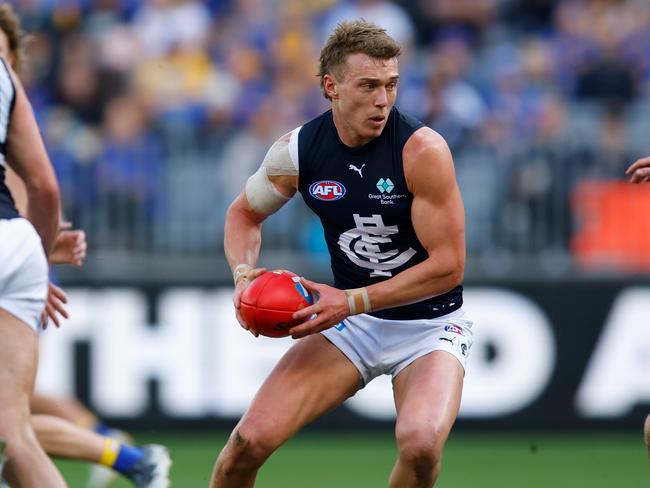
[{"x": 327, "y": 190}]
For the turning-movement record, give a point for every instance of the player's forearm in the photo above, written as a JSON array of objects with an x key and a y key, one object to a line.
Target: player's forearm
[
  {"x": 43, "y": 212},
  {"x": 242, "y": 237},
  {"x": 425, "y": 280}
]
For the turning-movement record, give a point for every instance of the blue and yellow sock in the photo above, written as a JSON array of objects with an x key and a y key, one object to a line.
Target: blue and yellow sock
[{"x": 118, "y": 456}]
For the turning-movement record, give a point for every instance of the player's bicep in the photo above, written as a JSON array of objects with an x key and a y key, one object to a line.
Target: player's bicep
[
  {"x": 437, "y": 210},
  {"x": 440, "y": 226}
]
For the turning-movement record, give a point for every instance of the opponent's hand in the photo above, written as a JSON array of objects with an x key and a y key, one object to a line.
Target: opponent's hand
[
  {"x": 54, "y": 306},
  {"x": 69, "y": 247},
  {"x": 639, "y": 172},
  {"x": 330, "y": 309},
  {"x": 242, "y": 284}
]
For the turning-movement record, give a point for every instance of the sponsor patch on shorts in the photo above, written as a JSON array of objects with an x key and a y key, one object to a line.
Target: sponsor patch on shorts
[{"x": 454, "y": 328}]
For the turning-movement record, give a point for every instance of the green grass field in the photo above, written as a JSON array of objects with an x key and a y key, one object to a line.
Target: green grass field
[{"x": 489, "y": 460}]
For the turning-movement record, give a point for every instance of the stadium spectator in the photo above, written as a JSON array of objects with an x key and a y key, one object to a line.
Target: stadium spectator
[{"x": 206, "y": 85}]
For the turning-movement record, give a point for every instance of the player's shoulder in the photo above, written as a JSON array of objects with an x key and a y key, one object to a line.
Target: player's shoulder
[
  {"x": 427, "y": 159},
  {"x": 425, "y": 142}
]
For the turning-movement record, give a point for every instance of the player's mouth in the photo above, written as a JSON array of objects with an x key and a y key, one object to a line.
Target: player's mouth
[{"x": 377, "y": 121}]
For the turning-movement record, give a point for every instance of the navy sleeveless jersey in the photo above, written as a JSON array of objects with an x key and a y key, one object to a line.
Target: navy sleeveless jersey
[
  {"x": 7, "y": 100},
  {"x": 361, "y": 198}
]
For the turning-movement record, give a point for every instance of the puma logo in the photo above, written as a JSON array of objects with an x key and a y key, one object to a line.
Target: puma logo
[{"x": 358, "y": 170}]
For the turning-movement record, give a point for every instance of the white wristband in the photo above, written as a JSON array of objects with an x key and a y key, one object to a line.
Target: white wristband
[
  {"x": 240, "y": 271},
  {"x": 358, "y": 301}
]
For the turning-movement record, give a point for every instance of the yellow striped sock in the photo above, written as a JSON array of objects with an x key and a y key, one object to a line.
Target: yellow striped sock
[{"x": 111, "y": 450}]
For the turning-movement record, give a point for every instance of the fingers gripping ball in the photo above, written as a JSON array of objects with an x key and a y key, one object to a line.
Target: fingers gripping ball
[{"x": 271, "y": 299}]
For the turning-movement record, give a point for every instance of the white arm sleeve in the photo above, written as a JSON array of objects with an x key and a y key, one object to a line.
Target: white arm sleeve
[{"x": 280, "y": 160}]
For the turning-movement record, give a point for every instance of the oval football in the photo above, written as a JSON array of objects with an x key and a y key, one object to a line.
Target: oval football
[{"x": 268, "y": 304}]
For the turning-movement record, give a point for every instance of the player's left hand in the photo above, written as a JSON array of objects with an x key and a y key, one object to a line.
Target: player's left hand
[
  {"x": 54, "y": 306},
  {"x": 330, "y": 309},
  {"x": 69, "y": 247}
]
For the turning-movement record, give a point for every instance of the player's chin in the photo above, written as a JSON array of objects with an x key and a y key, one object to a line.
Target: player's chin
[{"x": 374, "y": 130}]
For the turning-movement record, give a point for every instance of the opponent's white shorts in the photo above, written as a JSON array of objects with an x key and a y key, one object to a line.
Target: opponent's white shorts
[
  {"x": 377, "y": 346},
  {"x": 23, "y": 271}
]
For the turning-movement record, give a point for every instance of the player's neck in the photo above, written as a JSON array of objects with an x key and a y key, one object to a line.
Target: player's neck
[{"x": 347, "y": 135}]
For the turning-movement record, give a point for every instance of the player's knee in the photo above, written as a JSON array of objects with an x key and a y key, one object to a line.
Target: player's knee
[
  {"x": 420, "y": 449},
  {"x": 646, "y": 431},
  {"x": 248, "y": 448}
]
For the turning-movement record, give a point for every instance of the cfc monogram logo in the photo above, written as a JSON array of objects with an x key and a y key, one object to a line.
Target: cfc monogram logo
[{"x": 361, "y": 245}]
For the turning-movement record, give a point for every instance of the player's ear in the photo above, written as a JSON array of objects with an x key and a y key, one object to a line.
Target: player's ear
[{"x": 329, "y": 84}]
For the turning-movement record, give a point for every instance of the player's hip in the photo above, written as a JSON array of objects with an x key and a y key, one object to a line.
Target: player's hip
[{"x": 380, "y": 346}]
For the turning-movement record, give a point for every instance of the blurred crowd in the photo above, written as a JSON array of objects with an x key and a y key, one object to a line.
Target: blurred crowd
[{"x": 155, "y": 112}]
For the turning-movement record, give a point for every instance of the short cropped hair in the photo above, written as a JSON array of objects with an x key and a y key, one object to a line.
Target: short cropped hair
[
  {"x": 10, "y": 25},
  {"x": 354, "y": 37}
]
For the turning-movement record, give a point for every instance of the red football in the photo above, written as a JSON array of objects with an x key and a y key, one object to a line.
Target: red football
[{"x": 271, "y": 299}]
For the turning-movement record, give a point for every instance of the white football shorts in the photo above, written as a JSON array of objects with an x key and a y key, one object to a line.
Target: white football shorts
[
  {"x": 377, "y": 346},
  {"x": 23, "y": 271}
]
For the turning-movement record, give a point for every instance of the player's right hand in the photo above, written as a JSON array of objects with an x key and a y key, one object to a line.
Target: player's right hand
[{"x": 242, "y": 284}]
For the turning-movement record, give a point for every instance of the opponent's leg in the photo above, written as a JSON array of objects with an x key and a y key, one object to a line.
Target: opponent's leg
[
  {"x": 72, "y": 410},
  {"x": 427, "y": 397},
  {"x": 27, "y": 460},
  {"x": 143, "y": 465},
  {"x": 67, "y": 408},
  {"x": 312, "y": 378}
]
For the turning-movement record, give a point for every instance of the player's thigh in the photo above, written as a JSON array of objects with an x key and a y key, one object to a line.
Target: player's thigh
[
  {"x": 312, "y": 378},
  {"x": 427, "y": 395},
  {"x": 18, "y": 357}
]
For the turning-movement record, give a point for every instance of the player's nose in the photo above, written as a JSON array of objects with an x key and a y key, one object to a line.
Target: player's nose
[{"x": 381, "y": 97}]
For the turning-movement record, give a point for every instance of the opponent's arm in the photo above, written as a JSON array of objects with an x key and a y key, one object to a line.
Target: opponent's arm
[
  {"x": 439, "y": 222},
  {"x": 639, "y": 172},
  {"x": 27, "y": 156}
]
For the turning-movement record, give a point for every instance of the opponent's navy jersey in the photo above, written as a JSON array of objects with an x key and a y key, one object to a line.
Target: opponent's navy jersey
[
  {"x": 7, "y": 100},
  {"x": 361, "y": 197}
]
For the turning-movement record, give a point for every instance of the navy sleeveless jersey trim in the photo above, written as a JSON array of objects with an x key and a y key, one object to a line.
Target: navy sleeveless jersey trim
[
  {"x": 7, "y": 205},
  {"x": 361, "y": 197}
]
